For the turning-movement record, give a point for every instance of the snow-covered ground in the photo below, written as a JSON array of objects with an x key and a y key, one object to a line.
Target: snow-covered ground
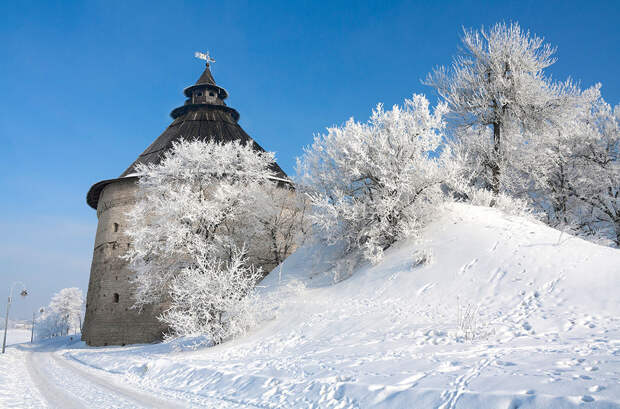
[
  {"x": 508, "y": 314},
  {"x": 16, "y": 335}
]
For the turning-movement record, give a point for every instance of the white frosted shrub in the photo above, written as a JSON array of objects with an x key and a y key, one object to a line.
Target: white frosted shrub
[
  {"x": 374, "y": 183},
  {"x": 213, "y": 298}
]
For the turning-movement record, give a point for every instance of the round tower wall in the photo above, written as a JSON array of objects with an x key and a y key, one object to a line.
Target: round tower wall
[{"x": 109, "y": 318}]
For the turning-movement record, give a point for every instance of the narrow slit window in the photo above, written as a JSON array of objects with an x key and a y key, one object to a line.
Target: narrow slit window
[
  {"x": 115, "y": 227},
  {"x": 116, "y": 297}
]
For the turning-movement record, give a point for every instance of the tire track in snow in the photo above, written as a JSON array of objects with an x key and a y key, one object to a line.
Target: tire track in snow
[
  {"x": 65, "y": 385},
  {"x": 54, "y": 396},
  {"x": 142, "y": 398}
]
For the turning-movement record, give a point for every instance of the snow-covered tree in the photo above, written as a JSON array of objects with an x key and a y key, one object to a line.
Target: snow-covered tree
[
  {"x": 212, "y": 297},
  {"x": 67, "y": 303},
  {"x": 498, "y": 91},
  {"x": 595, "y": 176},
  {"x": 49, "y": 325},
  {"x": 282, "y": 214},
  {"x": 374, "y": 183},
  {"x": 62, "y": 314},
  {"x": 570, "y": 171},
  {"x": 191, "y": 204},
  {"x": 207, "y": 210}
]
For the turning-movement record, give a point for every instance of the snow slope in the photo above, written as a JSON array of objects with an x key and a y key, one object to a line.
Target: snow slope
[{"x": 508, "y": 314}]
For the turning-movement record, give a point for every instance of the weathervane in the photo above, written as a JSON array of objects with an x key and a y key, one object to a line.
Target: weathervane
[{"x": 204, "y": 56}]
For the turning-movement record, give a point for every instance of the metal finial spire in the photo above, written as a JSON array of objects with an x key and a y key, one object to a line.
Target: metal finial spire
[{"x": 204, "y": 56}]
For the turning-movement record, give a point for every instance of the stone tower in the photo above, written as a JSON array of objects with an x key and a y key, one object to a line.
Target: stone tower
[{"x": 109, "y": 319}]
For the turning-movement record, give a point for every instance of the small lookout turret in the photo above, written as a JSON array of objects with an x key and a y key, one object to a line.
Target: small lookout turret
[{"x": 109, "y": 319}]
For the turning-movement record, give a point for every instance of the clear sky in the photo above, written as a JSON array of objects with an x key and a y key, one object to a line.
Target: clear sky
[{"x": 86, "y": 87}]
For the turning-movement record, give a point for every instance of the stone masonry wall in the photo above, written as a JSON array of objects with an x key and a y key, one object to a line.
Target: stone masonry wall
[{"x": 109, "y": 319}]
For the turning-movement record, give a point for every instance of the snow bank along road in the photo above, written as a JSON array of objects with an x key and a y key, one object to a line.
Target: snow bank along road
[{"x": 42, "y": 376}]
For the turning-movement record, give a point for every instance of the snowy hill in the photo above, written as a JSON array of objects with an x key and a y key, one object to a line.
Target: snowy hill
[{"x": 508, "y": 313}]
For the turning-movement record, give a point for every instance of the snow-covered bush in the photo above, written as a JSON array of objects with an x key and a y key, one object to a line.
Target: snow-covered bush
[
  {"x": 61, "y": 315},
  {"x": 371, "y": 184},
  {"x": 206, "y": 216},
  {"x": 281, "y": 217},
  {"x": 509, "y": 204},
  {"x": 423, "y": 256},
  {"x": 467, "y": 321},
  {"x": 212, "y": 297}
]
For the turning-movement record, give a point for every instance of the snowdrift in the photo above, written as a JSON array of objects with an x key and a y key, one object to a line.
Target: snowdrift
[{"x": 485, "y": 310}]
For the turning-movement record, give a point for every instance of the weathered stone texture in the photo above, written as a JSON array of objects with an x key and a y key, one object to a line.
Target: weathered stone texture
[{"x": 109, "y": 319}]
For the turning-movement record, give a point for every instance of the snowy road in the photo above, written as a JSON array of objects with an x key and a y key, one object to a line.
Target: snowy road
[
  {"x": 45, "y": 376},
  {"x": 64, "y": 384}
]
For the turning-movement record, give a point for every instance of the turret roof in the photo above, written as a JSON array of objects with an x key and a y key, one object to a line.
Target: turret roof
[
  {"x": 206, "y": 77},
  {"x": 208, "y": 121}
]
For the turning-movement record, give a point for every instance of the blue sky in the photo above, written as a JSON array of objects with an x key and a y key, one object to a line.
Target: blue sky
[{"x": 86, "y": 86}]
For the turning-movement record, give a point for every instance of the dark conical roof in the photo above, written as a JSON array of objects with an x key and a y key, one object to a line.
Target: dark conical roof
[
  {"x": 206, "y": 77},
  {"x": 207, "y": 82},
  {"x": 217, "y": 123},
  {"x": 204, "y": 116}
]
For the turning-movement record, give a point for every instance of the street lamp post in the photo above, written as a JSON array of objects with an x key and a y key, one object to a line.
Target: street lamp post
[{"x": 23, "y": 293}]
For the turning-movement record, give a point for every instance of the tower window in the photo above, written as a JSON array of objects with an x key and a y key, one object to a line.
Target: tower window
[
  {"x": 115, "y": 227},
  {"x": 211, "y": 94},
  {"x": 116, "y": 297}
]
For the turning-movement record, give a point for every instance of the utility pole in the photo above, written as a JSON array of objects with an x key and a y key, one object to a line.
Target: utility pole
[
  {"x": 6, "y": 324},
  {"x": 23, "y": 293}
]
